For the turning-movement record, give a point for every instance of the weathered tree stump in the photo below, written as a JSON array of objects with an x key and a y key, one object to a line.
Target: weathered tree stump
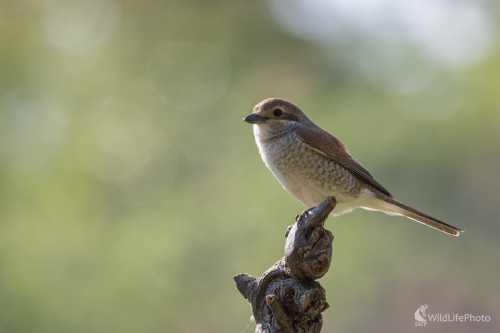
[{"x": 286, "y": 298}]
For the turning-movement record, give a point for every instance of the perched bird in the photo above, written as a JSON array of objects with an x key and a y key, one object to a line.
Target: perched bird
[{"x": 312, "y": 164}]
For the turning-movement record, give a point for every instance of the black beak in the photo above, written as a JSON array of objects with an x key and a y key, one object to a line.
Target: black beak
[{"x": 252, "y": 118}]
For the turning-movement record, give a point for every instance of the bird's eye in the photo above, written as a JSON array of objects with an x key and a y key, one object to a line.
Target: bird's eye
[{"x": 277, "y": 112}]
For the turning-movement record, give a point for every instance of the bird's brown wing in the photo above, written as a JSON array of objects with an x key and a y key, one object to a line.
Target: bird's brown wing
[{"x": 328, "y": 145}]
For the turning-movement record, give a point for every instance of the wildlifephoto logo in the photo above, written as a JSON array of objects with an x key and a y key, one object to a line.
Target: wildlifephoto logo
[{"x": 422, "y": 318}]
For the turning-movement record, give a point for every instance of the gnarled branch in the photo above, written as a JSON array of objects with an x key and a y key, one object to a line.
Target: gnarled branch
[{"x": 286, "y": 298}]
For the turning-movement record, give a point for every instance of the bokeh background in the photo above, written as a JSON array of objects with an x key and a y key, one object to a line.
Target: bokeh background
[{"x": 132, "y": 192}]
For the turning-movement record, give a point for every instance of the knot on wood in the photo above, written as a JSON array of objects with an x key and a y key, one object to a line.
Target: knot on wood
[{"x": 308, "y": 248}]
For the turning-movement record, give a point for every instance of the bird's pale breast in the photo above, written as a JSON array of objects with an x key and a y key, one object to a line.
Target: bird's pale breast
[{"x": 305, "y": 173}]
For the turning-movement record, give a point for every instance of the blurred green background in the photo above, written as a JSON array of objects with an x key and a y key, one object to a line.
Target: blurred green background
[{"x": 132, "y": 191}]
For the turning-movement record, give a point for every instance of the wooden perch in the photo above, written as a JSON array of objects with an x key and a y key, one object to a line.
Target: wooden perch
[{"x": 286, "y": 298}]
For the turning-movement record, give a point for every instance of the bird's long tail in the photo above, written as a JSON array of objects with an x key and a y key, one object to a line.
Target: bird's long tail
[{"x": 394, "y": 207}]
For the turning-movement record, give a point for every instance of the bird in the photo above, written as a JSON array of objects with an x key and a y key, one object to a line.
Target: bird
[{"x": 311, "y": 164}]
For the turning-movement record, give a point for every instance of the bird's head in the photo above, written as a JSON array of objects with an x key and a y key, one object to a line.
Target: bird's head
[{"x": 273, "y": 116}]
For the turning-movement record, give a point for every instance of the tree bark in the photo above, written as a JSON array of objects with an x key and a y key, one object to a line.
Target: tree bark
[{"x": 286, "y": 298}]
